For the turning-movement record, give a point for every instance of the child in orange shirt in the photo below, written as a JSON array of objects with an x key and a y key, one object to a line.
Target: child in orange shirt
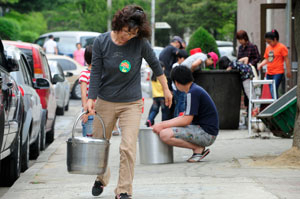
[{"x": 275, "y": 55}]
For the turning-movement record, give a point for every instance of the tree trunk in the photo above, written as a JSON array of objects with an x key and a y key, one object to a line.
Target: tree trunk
[{"x": 296, "y": 141}]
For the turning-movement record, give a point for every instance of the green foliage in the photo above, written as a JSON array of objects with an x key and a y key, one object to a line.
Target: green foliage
[
  {"x": 187, "y": 15},
  {"x": 28, "y": 36},
  {"x": 30, "y": 25},
  {"x": 8, "y": 1},
  {"x": 9, "y": 29},
  {"x": 201, "y": 38},
  {"x": 33, "y": 21},
  {"x": 25, "y": 6}
]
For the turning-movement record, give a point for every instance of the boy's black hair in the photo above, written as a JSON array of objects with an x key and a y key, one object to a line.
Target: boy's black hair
[
  {"x": 182, "y": 54},
  {"x": 153, "y": 77},
  {"x": 272, "y": 35},
  {"x": 88, "y": 54},
  {"x": 224, "y": 62},
  {"x": 182, "y": 74}
]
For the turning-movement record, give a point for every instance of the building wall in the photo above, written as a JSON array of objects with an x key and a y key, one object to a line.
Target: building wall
[{"x": 248, "y": 19}]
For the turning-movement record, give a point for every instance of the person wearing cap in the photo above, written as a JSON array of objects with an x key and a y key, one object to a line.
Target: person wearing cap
[
  {"x": 169, "y": 56},
  {"x": 201, "y": 60}
]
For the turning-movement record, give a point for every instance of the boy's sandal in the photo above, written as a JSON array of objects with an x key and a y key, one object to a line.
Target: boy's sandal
[{"x": 197, "y": 157}]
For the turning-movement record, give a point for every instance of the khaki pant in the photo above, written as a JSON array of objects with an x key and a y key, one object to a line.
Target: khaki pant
[{"x": 129, "y": 114}]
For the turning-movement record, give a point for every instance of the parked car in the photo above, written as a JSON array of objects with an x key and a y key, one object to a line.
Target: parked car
[
  {"x": 61, "y": 87},
  {"x": 11, "y": 112},
  {"x": 146, "y": 73},
  {"x": 32, "y": 106},
  {"x": 66, "y": 40},
  {"x": 226, "y": 49},
  {"x": 69, "y": 66},
  {"x": 39, "y": 64}
]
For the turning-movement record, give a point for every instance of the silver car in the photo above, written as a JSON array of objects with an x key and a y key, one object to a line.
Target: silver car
[
  {"x": 32, "y": 106},
  {"x": 69, "y": 65},
  {"x": 61, "y": 87}
]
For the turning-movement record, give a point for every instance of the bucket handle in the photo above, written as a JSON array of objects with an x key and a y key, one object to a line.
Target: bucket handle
[{"x": 97, "y": 115}]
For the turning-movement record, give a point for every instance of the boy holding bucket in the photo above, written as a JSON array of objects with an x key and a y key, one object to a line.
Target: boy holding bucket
[{"x": 199, "y": 126}]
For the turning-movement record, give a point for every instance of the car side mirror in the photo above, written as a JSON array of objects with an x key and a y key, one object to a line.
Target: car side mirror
[
  {"x": 57, "y": 78},
  {"x": 41, "y": 83},
  {"x": 12, "y": 64},
  {"x": 69, "y": 74}
]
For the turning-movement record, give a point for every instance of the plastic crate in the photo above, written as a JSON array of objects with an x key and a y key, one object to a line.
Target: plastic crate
[{"x": 279, "y": 117}]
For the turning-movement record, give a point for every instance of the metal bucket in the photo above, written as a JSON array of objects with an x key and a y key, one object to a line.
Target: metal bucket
[
  {"x": 87, "y": 155},
  {"x": 152, "y": 149}
]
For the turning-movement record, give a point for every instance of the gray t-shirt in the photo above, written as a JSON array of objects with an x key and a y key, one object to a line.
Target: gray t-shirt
[
  {"x": 190, "y": 60},
  {"x": 115, "y": 74}
]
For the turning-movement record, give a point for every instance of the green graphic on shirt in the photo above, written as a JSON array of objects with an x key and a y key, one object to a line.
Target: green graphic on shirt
[{"x": 125, "y": 66}]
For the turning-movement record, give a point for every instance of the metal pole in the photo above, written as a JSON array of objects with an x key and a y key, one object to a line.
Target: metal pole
[
  {"x": 109, "y": 15},
  {"x": 153, "y": 22}
]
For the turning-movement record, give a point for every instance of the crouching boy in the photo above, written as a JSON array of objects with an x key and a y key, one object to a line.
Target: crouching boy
[{"x": 199, "y": 126}]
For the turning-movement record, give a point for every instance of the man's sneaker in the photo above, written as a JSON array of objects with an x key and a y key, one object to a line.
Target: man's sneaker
[
  {"x": 123, "y": 196},
  {"x": 97, "y": 188}
]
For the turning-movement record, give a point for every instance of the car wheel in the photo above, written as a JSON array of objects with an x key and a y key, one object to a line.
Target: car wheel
[
  {"x": 35, "y": 148},
  {"x": 43, "y": 134},
  {"x": 10, "y": 166},
  {"x": 25, "y": 155},
  {"x": 50, "y": 134},
  {"x": 76, "y": 92},
  {"x": 60, "y": 110}
]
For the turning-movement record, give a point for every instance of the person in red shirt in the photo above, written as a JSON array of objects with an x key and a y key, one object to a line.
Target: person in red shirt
[{"x": 275, "y": 55}]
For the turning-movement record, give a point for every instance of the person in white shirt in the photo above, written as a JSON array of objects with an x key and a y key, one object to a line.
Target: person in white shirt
[
  {"x": 201, "y": 60},
  {"x": 50, "y": 46}
]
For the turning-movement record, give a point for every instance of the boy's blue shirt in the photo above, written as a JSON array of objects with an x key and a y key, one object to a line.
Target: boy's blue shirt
[{"x": 201, "y": 106}]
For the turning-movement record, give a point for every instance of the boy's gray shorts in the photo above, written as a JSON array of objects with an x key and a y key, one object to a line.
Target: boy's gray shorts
[{"x": 194, "y": 134}]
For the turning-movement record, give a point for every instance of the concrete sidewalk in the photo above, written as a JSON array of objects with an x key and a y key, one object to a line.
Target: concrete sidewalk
[{"x": 227, "y": 172}]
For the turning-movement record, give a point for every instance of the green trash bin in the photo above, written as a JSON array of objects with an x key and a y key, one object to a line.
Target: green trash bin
[{"x": 279, "y": 117}]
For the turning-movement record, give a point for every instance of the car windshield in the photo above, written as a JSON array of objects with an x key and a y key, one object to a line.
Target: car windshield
[
  {"x": 88, "y": 40},
  {"x": 65, "y": 64},
  {"x": 66, "y": 45},
  {"x": 40, "y": 41}
]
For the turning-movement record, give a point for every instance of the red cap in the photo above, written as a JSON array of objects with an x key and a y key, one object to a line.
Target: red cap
[{"x": 195, "y": 50}]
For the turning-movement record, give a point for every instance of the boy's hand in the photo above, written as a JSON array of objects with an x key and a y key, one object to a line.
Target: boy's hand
[
  {"x": 90, "y": 107},
  {"x": 85, "y": 118},
  {"x": 157, "y": 128}
]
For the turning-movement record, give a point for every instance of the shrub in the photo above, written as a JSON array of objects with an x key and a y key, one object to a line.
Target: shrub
[
  {"x": 9, "y": 29},
  {"x": 28, "y": 36},
  {"x": 201, "y": 38}
]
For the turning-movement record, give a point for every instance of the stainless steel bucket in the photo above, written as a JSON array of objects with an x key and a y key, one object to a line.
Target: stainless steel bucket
[
  {"x": 87, "y": 155},
  {"x": 152, "y": 149}
]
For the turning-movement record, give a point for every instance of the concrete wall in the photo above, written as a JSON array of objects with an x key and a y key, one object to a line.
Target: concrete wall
[{"x": 248, "y": 19}]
